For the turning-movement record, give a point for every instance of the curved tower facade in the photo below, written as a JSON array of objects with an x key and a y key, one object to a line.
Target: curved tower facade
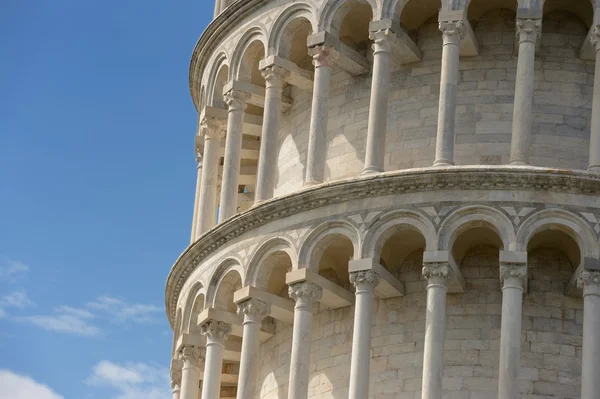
[{"x": 395, "y": 199}]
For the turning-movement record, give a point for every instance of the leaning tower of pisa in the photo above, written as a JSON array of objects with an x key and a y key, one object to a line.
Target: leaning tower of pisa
[{"x": 395, "y": 199}]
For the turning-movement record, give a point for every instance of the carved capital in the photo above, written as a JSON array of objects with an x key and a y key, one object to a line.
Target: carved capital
[
  {"x": 254, "y": 309},
  {"x": 176, "y": 374},
  {"x": 529, "y": 30},
  {"x": 274, "y": 76},
  {"x": 382, "y": 41},
  {"x": 216, "y": 331},
  {"x": 192, "y": 355},
  {"x": 452, "y": 31},
  {"x": 211, "y": 128},
  {"x": 236, "y": 100},
  {"x": 595, "y": 37},
  {"x": 367, "y": 277},
  {"x": 515, "y": 274},
  {"x": 306, "y": 293},
  {"x": 439, "y": 270},
  {"x": 323, "y": 56},
  {"x": 589, "y": 281}
]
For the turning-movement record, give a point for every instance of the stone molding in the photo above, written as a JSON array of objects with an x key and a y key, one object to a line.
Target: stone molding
[
  {"x": 216, "y": 331},
  {"x": 439, "y": 270},
  {"x": 398, "y": 182},
  {"x": 529, "y": 30},
  {"x": 254, "y": 309},
  {"x": 368, "y": 277}
]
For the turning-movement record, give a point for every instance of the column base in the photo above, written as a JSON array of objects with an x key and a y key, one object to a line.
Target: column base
[
  {"x": 594, "y": 169},
  {"x": 371, "y": 170},
  {"x": 310, "y": 183},
  {"x": 518, "y": 163},
  {"x": 442, "y": 163}
]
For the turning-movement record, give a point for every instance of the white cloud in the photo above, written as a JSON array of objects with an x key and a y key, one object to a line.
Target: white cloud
[
  {"x": 10, "y": 270},
  {"x": 124, "y": 311},
  {"x": 16, "y": 299},
  {"x": 15, "y": 386},
  {"x": 132, "y": 380},
  {"x": 66, "y": 320}
]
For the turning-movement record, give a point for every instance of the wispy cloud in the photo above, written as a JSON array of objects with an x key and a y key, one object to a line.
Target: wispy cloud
[
  {"x": 85, "y": 321},
  {"x": 11, "y": 270},
  {"x": 16, "y": 299},
  {"x": 66, "y": 320},
  {"x": 123, "y": 311},
  {"x": 15, "y": 386},
  {"x": 131, "y": 380}
]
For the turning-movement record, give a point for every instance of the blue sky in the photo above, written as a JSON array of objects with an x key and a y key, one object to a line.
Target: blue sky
[{"x": 97, "y": 177}]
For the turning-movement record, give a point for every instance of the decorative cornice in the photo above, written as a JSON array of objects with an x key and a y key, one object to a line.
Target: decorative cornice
[
  {"x": 390, "y": 183},
  {"x": 254, "y": 309},
  {"x": 440, "y": 270}
]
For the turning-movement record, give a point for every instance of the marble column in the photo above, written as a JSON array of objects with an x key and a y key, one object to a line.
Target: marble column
[
  {"x": 236, "y": 107},
  {"x": 190, "y": 372},
  {"x": 437, "y": 275},
  {"x": 212, "y": 130},
  {"x": 594, "y": 164},
  {"x": 378, "y": 107},
  {"x": 216, "y": 332},
  {"x": 176, "y": 370},
  {"x": 513, "y": 278},
  {"x": 254, "y": 311},
  {"x": 267, "y": 161},
  {"x": 323, "y": 61},
  {"x": 305, "y": 294},
  {"x": 365, "y": 283},
  {"x": 528, "y": 31},
  {"x": 452, "y": 33},
  {"x": 589, "y": 281},
  {"x": 197, "y": 196}
]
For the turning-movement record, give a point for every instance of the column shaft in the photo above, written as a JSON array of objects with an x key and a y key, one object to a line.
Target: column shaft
[
  {"x": 216, "y": 333},
  {"x": 513, "y": 279},
  {"x": 365, "y": 283},
  {"x": 267, "y": 161},
  {"x": 594, "y": 164},
  {"x": 378, "y": 107},
  {"x": 590, "y": 362},
  {"x": 176, "y": 371},
  {"x": 452, "y": 33},
  {"x": 528, "y": 31},
  {"x": 254, "y": 311},
  {"x": 213, "y": 132},
  {"x": 305, "y": 294},
  {"x": 197, "y": 197},
  {"x": 437, "y": 274},
  {"x": 190, "y": 373},
  {"x": 236, "y": 102},
  {"x": 323, "y": 57}
]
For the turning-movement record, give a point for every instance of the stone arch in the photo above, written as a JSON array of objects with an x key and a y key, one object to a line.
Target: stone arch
[
  {"x": 196, "y": 289},
  {"x": 328, "y": 249},
  {"x": 217, "y": 78},
  {"x": 177, "y": 332},
  {"x": 257, "y": 275},
  {"x": 223, "y": 277},
  {"x": 298, "y": 11},
  {"x": 394, "y": 9},
  {"x": 253, "y": 40},
  {"x": 560, "y": 220},
  {"x": 477, "y": 8},
  {"x": 390, "y": 223},
  {"x": 473, "y": 216},
  {"x": 582, "y": 9},
  {"x": 334, "y": 12}
]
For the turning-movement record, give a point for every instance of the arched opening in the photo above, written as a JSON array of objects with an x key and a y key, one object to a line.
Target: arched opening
[
  {"x": 398, "y": 243},
  {"x": 553, "y": 255},
  {"x": 350, "y": 24},
  {"x": 479, "y": 8},
  {"x": 271, "y": 275},
  {"x": 228, "y": 285},
  {"x": 176, "y": 332},
  {"x": 220, "y": 81},
  {"x": 197, "y": 308},
  {"x": 581, "y": 9},
  {"x": 332, "y": 254},
  {"x": 415, "y": 13},
  {"x": 292, "y": 44}
]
